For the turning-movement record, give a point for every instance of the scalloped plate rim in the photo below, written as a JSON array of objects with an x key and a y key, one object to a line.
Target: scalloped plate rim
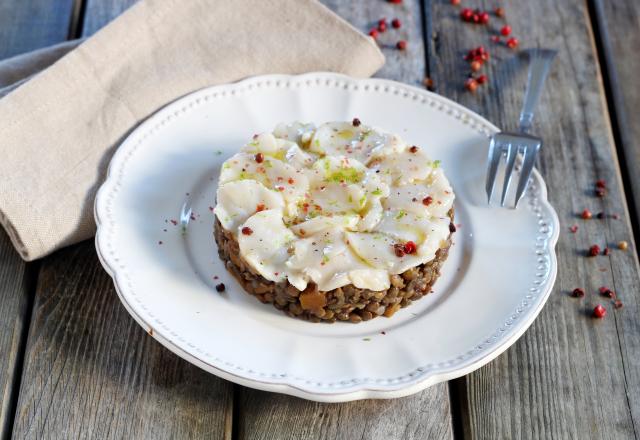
[{"x": 285, "y": 385}]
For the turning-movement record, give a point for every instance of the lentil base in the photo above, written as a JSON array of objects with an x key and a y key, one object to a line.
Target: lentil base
[{"x": 347, "y": 303}]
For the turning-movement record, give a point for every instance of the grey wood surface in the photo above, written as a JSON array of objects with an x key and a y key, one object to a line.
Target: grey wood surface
[
  {"x": 90, "y": 371},
  {"x": 18, "y": 34},
  {"x": 424, "y": 415},
  {"x": 30, "y": 24},
  {"x": 618, "y": 25},
  {"x": 569, "y": 376},
  {"x": 15, "y": 297}
]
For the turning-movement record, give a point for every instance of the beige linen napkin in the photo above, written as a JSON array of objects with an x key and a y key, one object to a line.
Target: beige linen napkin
[{"x": 59, "y": 129}]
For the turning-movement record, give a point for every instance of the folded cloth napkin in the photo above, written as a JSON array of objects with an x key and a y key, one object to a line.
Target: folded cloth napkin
[{"x": 59, "y": 128}]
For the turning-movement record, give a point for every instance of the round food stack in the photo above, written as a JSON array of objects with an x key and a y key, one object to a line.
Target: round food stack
[{"x": 340, "y": 222}]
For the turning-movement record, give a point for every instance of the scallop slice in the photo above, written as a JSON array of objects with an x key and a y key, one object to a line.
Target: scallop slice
[
  {"x": 361, "y": 143},
  {"x": 281, "y": 149},
  {"x": 340, "y": 169},
  {"x": 322, "y": 223},
  {"x": 265, "y": 243},
  {"x": 335, "y": 199},
  {"x": 376, "y": 189},
  {"x": 441, "y": 193},
  {"x": 264, "y": 143},
  {"x": 297, "y": 132},
  {"x": 404, "y": 225},
  {"x": 296, "y": 156},
  {"x": 406, "y": 167},
  {"x": 328, "y": 261},
  {"x": 238, "y": 200},
  {"x": 272, "y": 173},
  {"x": 376, "y": 249}
]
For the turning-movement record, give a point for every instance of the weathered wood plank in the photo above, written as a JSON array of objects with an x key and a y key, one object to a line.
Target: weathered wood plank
[
  {"x": 273, "y": 416},
  {"x": 425, "y": 415},
  {"x": 24, "y": 26},
  {"x": 100, "y": 12},
  {"x": 617, "y": 24},
  {"x": 30, "y": 24},
  {"x": 619, "y": 32},
  {"x": 569, "y": 376},
  {"x": 14, "y": 314},
  {"x": 91, "y": 371}
]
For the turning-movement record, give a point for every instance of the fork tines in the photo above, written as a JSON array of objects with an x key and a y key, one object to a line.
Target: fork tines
[{"x": 510, "y": 145}]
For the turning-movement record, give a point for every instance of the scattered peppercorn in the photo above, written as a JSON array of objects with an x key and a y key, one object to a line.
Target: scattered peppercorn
[
  {"x": 260, "y": 207},
  {"x": 373, "y": 33},
  {"x": 512, "y": 43},
  {"x": 395, "y": 2},
  {"x": 605, "y": 291},
  {"x": 382, "y": 26},
  {"x": 471, "y": 85},
  {"x": 601, "y": 192},
  {"x": 466, "y": 14},
  {"x": 401, "y": 45},
  {"x": 396, "y": 23},
  {"x": 247, "y": 230},
  {"x": 495, "y": 38},
  {"x": 476, "y": 65},
  {"x": 599, "y": 311},
  {"x": 427, "y": 201},
  {"x": 499, "y": 12},
  {"x": 455, "y": 2},
  {"x": 573, "y": 229},
  {"x": 506, "y": 30},
  {"x": 356, "y": 122},
  {"x": 600, "y": 183},
  {"x": 623, "y": 245},
  {"x": 410, "y": 247},
  {"x": 482, "y": 79},
  {"x": 428, "y": 83},
  {"x": 606, "y": 251},
  {"x": 220, "y": 287},
  {"x": 615, "y": 216},
  {"x": 259, "y": 157},
  {"x": 399, "y": 250},
  {"x": 160, "y": 242},
  {"x": 452, "y": 228},
  {"x": 577, "y": 292},
  {"x": 600, "y": 215},
  {"x": 594, "y": 250},
  {"x": 618, "y": 304},
  {"x": 413, "y": 149},
  {"x": 586, "y": 214},
  {"x": 483, "y": 17}
]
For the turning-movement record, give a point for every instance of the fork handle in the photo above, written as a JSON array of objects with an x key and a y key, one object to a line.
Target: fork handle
[{"x": 540, "y": 63}]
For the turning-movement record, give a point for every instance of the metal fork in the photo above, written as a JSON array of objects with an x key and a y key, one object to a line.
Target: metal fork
[{"x": 510, "y": 145}]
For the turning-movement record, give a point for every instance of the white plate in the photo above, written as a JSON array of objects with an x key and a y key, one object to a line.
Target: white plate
[{"x": 497, "y": 278}]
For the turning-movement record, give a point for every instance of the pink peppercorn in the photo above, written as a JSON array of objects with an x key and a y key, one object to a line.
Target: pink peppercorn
[{"x": 599, "y": 311}]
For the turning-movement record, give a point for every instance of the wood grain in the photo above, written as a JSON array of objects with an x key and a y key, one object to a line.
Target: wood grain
[
  {"x": 569, "y": 376},
  {"x": 425, "y": 415},
  {"x": 100, "y": 12},
  {"x": 90, "y": 371},
  {"x": 30, "y": 24},
  {"x": 24, "y": 26},
  {"x": 15, "y": 280},
  {"x": 265, "y": 416},
  {"x": 618, "y": 24}
]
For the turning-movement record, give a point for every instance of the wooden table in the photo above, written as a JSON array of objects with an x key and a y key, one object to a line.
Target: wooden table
[{"x": 73, "y": 364}]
